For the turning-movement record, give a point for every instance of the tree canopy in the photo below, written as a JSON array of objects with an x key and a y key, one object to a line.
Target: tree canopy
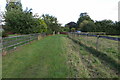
[
  {"x": 22, "y": 22},
  {"x": 52, "y": 23},
  {"x": 86, "y": 24}
]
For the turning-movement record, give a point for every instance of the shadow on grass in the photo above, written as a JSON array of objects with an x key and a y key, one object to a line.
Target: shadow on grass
[{"x": 101, "y": 56}]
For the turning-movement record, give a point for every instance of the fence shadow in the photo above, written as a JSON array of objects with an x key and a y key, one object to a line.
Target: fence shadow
[{"x": 108, "y": 61}]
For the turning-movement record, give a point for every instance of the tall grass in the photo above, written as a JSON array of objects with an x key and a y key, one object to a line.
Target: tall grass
[{"x": 107, "y": 50}]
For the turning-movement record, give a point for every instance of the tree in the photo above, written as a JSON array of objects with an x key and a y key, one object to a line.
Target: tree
[
  {"x": 72, "y": 29},
  {"x": 82, "y": 18},
  {"x": 41, "y": 26},
  {"x": 117, "y": 25},
  {"x": 52, "y": 23},
  {"x": 87, "y": 26},
  {"x": 71, "y": 25},
  {"x": 13, "y": 5},
  {"x": 19, "y": 21},
  {"x": 22, "y": 22},
  {"x": 85, "y": 23},
  {"x": 104, "y": 26},
  {"x": 108, "y": 26},
  {"x": 65, "y": 29}
]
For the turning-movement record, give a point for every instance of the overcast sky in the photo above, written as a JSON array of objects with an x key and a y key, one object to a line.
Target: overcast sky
[{"x": 69, "y": 10}]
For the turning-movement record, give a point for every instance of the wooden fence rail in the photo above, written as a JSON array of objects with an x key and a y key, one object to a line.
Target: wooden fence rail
[
  {"x": 9, "y": 43},
  {"x": 111, "y": 38},
  {"x": 74, "y": 35}
]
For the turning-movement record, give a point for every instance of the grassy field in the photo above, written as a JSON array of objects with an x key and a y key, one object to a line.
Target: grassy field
[
  {"x": 58, "y": 57},
  {"x": 106, "y": 46}
]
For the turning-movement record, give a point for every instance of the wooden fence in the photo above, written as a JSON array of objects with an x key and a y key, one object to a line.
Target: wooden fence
[
  {"x": 9, "y": 43},
  {"x": 74, "y": 34}
]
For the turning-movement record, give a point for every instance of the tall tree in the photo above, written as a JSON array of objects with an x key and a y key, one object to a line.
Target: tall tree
[
  {"x": 19, "y": 21},
  {"x": 71, "y": 25},
  {"x": 85, "y": 23},
  {"x": 87, "y": 26},
  {"x": 104, "y": 26},
  {"x": 51, "y": 22},
  {"x": 82, "y": 18},
  {"x": 13, "y": 5},
  {"x": 41, "y": 26},
  {"x": 22, "y": 22}
]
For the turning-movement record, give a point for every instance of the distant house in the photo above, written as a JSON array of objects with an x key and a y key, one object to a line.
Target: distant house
[{"x": 71, "y": 25}]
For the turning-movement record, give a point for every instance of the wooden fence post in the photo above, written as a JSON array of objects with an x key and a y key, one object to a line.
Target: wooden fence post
[{"x": 97, "y": 42}]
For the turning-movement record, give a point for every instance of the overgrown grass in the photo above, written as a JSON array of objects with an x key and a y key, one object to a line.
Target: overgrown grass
[
  {"x": 109, "y": 47},
  {"x": 100, "y": 62}
]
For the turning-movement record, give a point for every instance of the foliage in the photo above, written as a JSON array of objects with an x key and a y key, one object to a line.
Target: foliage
[
  {"x": 108, "y": 26},
  {"x": 72, "y": 29},
  {"x": 87, "y": 26},
  {"x": 65, "y": 29},
  {"x": 19, "y": 21},
  {"x": 13, "y": 5},
  {"x": 52, "y": 23},
  {"x": 41, "y": 26},
  {"x": 22, "y": 22},
  {"x": 4, "y": 34},
  {"x": 82, "y": 18},
  {"x": 71, "y": 25}
]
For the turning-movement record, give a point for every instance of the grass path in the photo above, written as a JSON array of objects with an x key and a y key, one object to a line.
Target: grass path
[
  {"x": 55, "y": 57},
  {"x": 43, "y": 58}
]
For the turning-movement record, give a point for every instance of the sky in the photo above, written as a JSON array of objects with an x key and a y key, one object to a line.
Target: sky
[{"x": 69, "y": 10}]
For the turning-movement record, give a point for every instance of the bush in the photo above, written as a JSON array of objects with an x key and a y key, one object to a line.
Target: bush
[{"x": 4, "y": 34}]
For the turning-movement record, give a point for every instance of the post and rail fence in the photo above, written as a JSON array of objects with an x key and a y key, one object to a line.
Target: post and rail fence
[
  {"x": 75, "y": 34},
  {"x": 11, "y": 43}
]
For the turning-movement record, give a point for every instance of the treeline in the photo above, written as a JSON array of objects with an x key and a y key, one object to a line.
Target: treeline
[
  {"x": 19, "y": 21},
  {"x": 86, "y": 24}
]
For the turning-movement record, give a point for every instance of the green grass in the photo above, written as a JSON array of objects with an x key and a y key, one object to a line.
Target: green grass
[
  {"x": 43, "y": 58},
  {"x": 92, "y": 63},
  {"x": 59, "y": 57},
  {"x": 109, "y": 47},
  {"x": 13, "y": 35}
]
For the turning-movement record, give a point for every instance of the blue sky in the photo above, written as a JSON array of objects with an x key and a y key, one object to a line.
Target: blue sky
[{"x": 69, "y": 10}]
